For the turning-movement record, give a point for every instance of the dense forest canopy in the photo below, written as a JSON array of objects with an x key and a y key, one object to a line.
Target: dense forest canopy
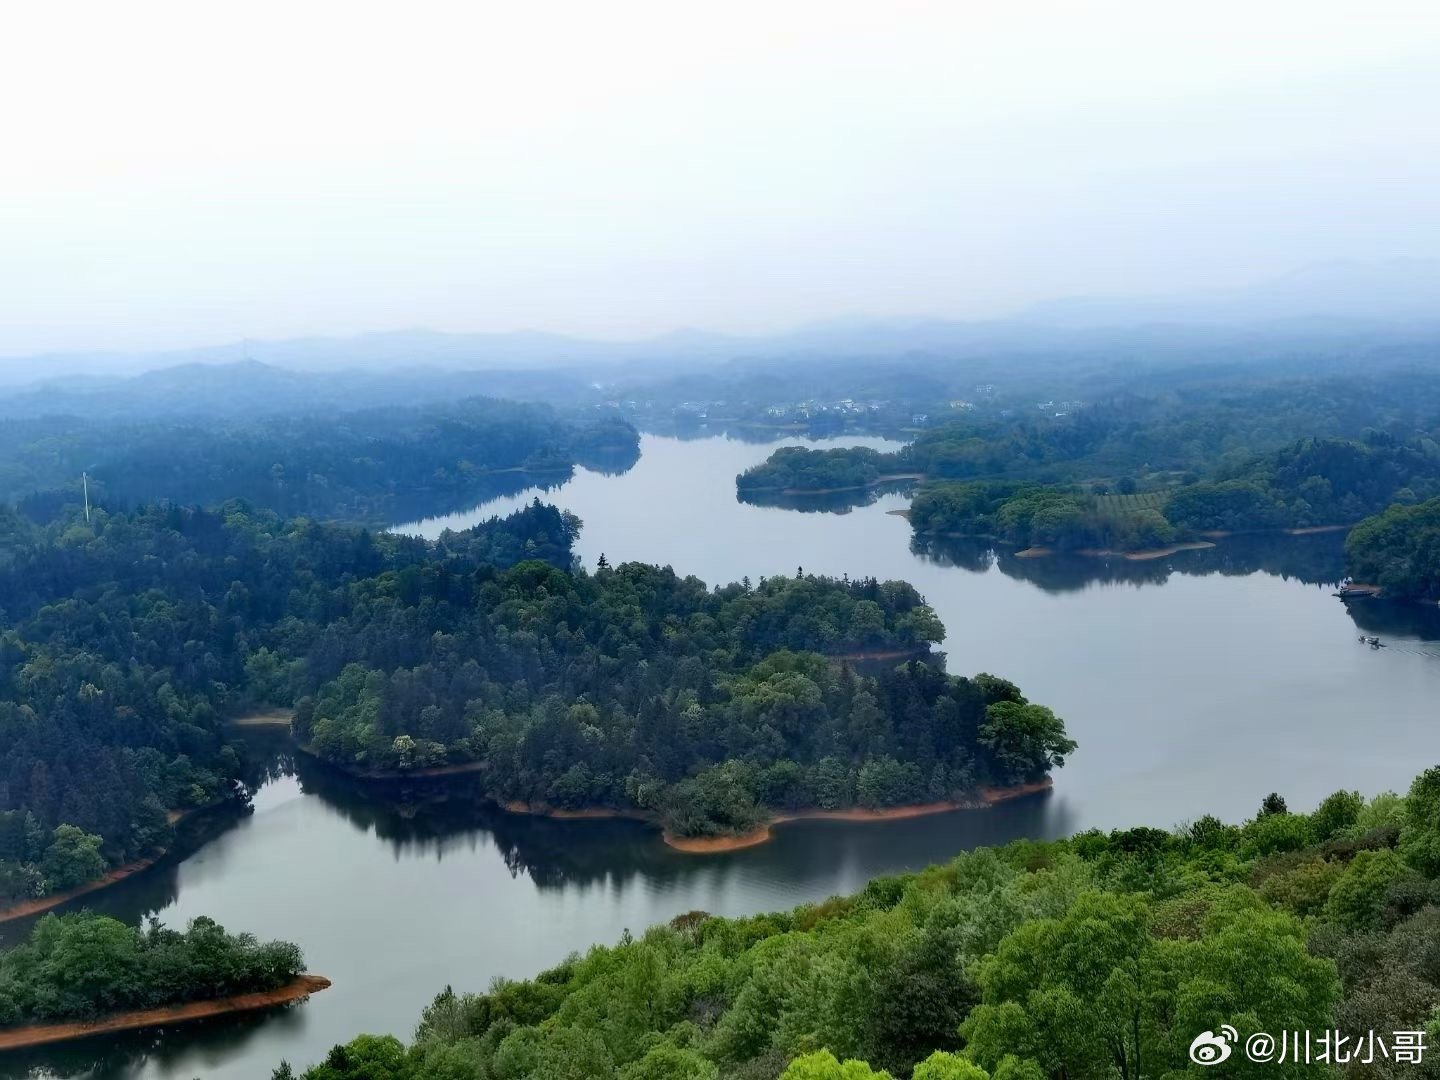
[
  {"x": 1203, "y": 426},
  {"x": 128, "y": 640},
  {"x": 1310, "y": 483},
  {"x": 1160, "y": 457},
  {"x": 132, "y": 637},
  {"x": 1034, "y": 515},
  {"x": 798, "y": 468},
  {"x": 635, "y": 688},
  {"x": 1092, "y": 958},
  {"x": 375, "y": 466},
  {"x": 81, "y": 966},
  {"x": 1243, "y": 394},
  {"x": 1399, "y": 550}
]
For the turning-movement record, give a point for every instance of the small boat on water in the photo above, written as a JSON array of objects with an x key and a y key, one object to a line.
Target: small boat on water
[
  {"x": 1373, "y": 642},
  {"x": 1356, "y": 592}
]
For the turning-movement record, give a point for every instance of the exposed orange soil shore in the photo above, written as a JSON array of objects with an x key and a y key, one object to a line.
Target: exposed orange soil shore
[
  {"x": 1360, "y": 588},
  {"x": 890, "y": 479},
  {"x": 111, "y": 877},
  {"x": 714, "y": 845},
  {"x": 592, "y": 813},
  {"x": 1106, "y": 553},
  {"x": 39, "y": 1034},
  {"x": 1307, "y": 530},
  {"x": 45, "y": 903},
  {"x": 1039, "y": 552},
  {"x": 1147, "y": 553},
  {"x": 986, "y": 797},
  {"x": 272, "y": 718}
]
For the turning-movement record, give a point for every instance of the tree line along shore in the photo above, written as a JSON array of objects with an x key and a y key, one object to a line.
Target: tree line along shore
[
  {"x": 973, "y": 481},
  {"x": 79, "y": 975}
]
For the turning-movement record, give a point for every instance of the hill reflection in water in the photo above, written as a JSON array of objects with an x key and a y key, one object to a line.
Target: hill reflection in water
[{"x": 1318, "y": 559}]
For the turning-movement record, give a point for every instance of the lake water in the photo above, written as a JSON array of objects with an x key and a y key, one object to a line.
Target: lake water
[{"x": 1193, "y": 684}]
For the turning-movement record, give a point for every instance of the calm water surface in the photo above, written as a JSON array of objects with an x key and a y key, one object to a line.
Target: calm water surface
[{"x": 1193, "y": 684}]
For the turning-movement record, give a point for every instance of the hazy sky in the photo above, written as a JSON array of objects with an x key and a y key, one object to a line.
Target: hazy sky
[{"x": 187, "y": 173}]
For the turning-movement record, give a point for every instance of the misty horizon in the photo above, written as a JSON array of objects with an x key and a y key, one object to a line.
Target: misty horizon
[
  {"x": 1398, "y": 295},
  {"x": 178, "y": 183}
]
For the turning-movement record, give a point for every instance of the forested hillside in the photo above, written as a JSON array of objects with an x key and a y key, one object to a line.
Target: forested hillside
[
  {"x": 798, "y": 468},
  {"x": 1103, "y": 955},
  {"x": 132, "y": 637},
  {"x": 1032, "y": 515},
  {"x": 127, "y": 641},
  {"x": 1312, "y": 483},
  {"x": 375, "y": 466},
  {"x": 1133, "y": 472},
  {"x": 1399, "y": 550}
]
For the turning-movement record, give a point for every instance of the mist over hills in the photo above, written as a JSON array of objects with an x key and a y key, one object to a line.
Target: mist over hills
[
  {"x": 237, "y": 389},
  {"x": 1352, "y": 311},
  {"x": 1401, "y": 290}
]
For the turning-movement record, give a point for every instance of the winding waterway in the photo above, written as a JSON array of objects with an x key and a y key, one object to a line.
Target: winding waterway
[{"x": 1193, "y": 684}]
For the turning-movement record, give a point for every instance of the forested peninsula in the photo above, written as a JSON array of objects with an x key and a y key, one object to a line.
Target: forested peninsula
[
  {"x": 133, "y": 636},
  {"x": 1312, "y": 483},
  {"x": 370, "y": 466},
  {"x": 799, "y": 470},
  {"x": 1399, "y": 550},
  {"x": 128, "y": 640},
  {"x": 79, "y": 974},
  {"x": 1104, "y": 954},
  {"x": 635, "y": 689}
]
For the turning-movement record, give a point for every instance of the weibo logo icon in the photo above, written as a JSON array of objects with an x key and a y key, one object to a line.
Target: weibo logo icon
[{"x": 1211, "y": 1049}]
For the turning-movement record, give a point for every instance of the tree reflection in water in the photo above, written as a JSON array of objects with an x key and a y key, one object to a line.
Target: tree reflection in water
[{"x": 1317, "y": 559}]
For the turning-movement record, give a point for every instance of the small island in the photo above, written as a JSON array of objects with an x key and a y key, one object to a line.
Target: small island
[
  {"x": 83, "y": 974},
  {"x": 798, "y": 470}
]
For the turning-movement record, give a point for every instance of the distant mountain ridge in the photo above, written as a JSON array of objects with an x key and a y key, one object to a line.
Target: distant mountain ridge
[
  {"x": 1378, "y": 302},
  {"x": 1395, "y": 290},
  {"x": 250, "y": 388}
]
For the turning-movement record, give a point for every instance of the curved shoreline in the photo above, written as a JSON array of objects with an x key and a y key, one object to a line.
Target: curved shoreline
[
  {"x": 879, "y": 481},
  {"x": 801, "y": 492},
  {"x": 426, "y": 772},
  {"x": 1143, "y": 554},
  {"x": 265, "y": 719},
  {"x": 589, "y": 813},
  {"x": 41, "y": 1034},
  {"x": 24, "y": 908},
  {"x": 983, "y": 800},
  {"x": 1207, "y": 538}
]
